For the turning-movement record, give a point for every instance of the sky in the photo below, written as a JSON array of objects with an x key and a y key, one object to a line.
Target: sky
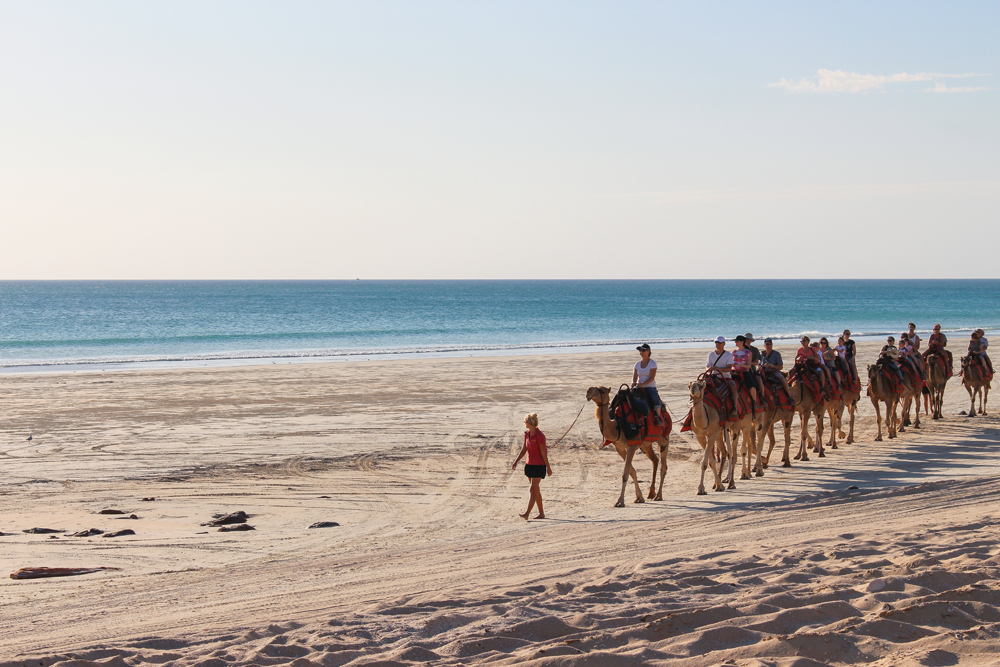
[{"x": 413, "y": 140}]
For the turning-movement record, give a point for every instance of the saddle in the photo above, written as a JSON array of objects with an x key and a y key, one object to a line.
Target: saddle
[
  {"x": 634, "y": 418},
  {"x": 975, "y": 368},
  {"x": 913, "y": 374},
  {"x": 775, "y": 396},
  {"x": 894, "y": 382},
  {"x": 744, "y": 391},
  {"x": 717, "y": 395},
  {"x": 806, "y": 375}
]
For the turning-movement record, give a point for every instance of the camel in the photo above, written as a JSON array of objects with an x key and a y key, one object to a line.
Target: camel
[
  {"x": 937, "y": 378},
  {"x": 880, "y": 391},
  {"x": 707, "y": 426},
  {"x": 766, "y": 425},
  {"x": 976, "y": 384},
  {"x": 601, "y": 396},
  {"x": 806, "y": 405}
]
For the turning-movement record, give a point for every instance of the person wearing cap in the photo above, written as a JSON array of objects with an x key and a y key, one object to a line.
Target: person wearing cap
[
  {"x": 771, "y": 364},
  {"x": 720, "y": 361},
  {"x": 937, "y": 343},
  {"x": 644, "y": 376}
]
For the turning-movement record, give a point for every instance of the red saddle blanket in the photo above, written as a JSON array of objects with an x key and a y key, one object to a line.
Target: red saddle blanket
[
  {"x": 717, "y": 395},
  {"x": 807, "y": 377},
  {"x": 775, "y": 396},
  {"x": 912, "y": 375},
  {"x": 894, "y": 382},
  {"x": 975, "y": 368}
]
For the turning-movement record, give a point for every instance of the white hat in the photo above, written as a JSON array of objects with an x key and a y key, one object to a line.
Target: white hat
[{"x": 720, "y": 339}]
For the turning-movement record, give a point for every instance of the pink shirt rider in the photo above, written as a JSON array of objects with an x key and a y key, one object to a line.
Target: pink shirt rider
[{"x": 741, "y": 360}]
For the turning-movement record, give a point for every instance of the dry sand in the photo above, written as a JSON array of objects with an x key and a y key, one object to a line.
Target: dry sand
[{"x": 430, "y": 563}]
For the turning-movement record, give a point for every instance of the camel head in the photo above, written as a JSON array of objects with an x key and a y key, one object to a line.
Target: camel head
[
  {"x": 595, "y": 393},
  {"x": 697, "y": 389}
]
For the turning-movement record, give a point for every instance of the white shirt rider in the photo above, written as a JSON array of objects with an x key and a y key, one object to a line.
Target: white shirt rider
[
  {"x": 716, "y": 360},
  {"x": 642, "y": 374}
]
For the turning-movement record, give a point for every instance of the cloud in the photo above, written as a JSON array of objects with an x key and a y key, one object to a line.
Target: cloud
[
  {"x": 839, "y": 81},
  {"x": 941, "y": 88}
]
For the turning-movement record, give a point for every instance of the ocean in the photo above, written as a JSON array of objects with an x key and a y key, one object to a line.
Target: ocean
[{"x": 52, "y": 325}]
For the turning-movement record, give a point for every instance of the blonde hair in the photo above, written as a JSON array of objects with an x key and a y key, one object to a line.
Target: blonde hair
[{"x": 531, "y": 420}]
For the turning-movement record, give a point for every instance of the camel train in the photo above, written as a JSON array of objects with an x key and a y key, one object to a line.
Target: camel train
[{"x": 724, "y": 412}]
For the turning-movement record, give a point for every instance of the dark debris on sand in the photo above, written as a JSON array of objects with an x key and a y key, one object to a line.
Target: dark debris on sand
[
  {"x": 119, "y": 533},
  {"x": 236, "y": 527},
  {"x": 228, "y": 519}
]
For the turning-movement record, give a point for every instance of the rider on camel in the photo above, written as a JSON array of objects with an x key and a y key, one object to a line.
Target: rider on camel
[
  {"x": 888, "y": 357},
  {"x": 807, "y": 354},
  {"x": 742, "y": 363},
  {"x": 644, "y": 376},
  {"x": 830, "y": 360},
  {"x": 850, "y": 354},
  {"x": 907, "y": 355},
  {"x": 937, "y": 343},
  {"x": 771, "y": 364},
  {"x": 983, "y": 344},
  {"x": 720, "y": 361},
  {"x": 828, "y": 387},
  {"x": 754, "y": 361}
]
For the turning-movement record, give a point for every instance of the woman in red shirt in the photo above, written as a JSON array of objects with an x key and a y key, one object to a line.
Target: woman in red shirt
[{"x": 537, "y": 464}]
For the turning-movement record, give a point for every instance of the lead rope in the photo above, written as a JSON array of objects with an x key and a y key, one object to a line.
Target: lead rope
[{"x": 571, "y": 425}]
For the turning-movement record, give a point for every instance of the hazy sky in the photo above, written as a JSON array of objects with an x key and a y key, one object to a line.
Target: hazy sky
[{"x": 499, "y": 140}]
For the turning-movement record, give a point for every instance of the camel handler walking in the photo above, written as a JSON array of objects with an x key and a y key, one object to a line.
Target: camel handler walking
[{"x": 537, "y": 464}]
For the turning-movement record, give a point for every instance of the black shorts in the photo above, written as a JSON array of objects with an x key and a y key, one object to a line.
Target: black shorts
[
  {"x": 925, "y": 390},
  {"x": 534, "y": 472}
]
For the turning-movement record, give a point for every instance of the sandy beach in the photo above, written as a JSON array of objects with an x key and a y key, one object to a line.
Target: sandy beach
[{"x": 881, "y": 553}]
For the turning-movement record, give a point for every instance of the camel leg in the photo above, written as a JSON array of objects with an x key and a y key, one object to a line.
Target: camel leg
[
  {"x": 647, "y": 449},
  {"x": 878, "y": 419},
  {"x": 819, "y": 434},
  {"x": 850, "y": 431},
  {"x": 786, "y": 460},
  {"x": 972, "y": 398},
  {"x": 770, "y": 436},
  {"x": 727, "y": 442},
  {"x": 759, "y": 447},
  {"x": 730, "y": 443},
  {"x": 986, "y": 396},
  {"x": 746, "y": 454},
  {"x": 804, "y": 422},
  {"x": 708, "y": 459},
  {"x": 834, "y": 425},
  {"x": 916, "y": 410},
  {"x": 664, "y": 444},
  {"x": 628, "y": 470}
]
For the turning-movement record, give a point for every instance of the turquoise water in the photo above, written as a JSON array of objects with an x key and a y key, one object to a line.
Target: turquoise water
[{"x": 46, "y": 324}]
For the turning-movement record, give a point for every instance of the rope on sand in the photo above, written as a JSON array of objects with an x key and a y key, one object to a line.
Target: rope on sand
[{"x": 571, "y": 425}]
